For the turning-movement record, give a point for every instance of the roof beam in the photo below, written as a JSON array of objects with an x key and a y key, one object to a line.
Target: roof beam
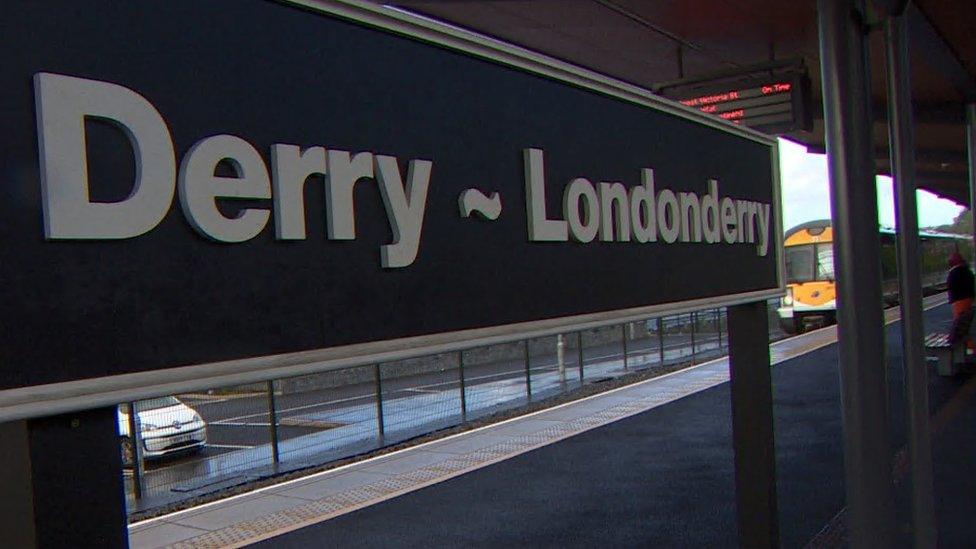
[
  {"x": 925, "y": 38},
  {"x": 936, "y": 113},
  {"x": 941, "y": 156}
]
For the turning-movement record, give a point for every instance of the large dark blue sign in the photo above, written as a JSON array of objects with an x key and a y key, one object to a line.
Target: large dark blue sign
[{"x": 187, "y": 182}]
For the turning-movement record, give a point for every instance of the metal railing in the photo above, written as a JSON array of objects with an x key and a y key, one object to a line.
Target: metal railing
[{"x": 260, "y": 430}]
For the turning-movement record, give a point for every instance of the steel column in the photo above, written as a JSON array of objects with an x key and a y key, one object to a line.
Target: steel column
[
  {"x": 971, "y": 149},
  {"x": 861, "y": 343},
  {"x": 61, "y": 481},
  {"x": 752, "y": 425},
  {"x": 528, "y": 371},
  {"x": 902, "y": 139}
]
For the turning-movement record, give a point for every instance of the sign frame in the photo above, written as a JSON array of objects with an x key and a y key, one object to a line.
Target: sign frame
[{"x": 68, "y": 396}]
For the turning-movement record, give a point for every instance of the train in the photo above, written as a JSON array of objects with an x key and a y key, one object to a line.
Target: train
[{"x": 811, "y": 293}]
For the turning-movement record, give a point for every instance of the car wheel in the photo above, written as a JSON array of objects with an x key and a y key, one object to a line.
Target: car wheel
[{"x": 128, "y": 452}]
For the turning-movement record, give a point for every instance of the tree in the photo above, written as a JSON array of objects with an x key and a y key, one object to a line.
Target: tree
[{"x": 962, "y": 224}]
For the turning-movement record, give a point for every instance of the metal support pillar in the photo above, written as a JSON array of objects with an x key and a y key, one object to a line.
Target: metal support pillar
[
  {"x": 752, "y": 425},
  {"x": 902, "y": 139},
  {"x": 694, "y": 326},
  {"x": 528, "y": 371},
  {"x": 861, "y": 344},
  {"x": 273, "y": 422},
  {"x": 971, "y": 149},
  {"x": 60, "y": 483}
]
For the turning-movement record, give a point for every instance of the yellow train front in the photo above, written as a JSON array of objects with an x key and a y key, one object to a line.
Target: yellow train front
[{"x": 811, "y": 295}]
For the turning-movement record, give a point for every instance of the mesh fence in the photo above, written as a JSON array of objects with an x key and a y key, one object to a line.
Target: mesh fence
[
  {"x": 420, "y": 395},
  {"x": 708, "y": 335},
  {"x": 325, "y": 416},
  {"x": 191, "y": 444}
]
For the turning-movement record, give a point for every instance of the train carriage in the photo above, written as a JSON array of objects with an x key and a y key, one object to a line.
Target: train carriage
[{"x": 811, "y": 293}]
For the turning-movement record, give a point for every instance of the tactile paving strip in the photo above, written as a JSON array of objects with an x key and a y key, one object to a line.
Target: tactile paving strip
[{"x": 349, "y": 500}]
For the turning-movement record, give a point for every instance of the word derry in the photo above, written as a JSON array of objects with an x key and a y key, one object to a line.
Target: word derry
[
  {"x": 641, "y": 214},
  {"x": 63, "y": 103}
]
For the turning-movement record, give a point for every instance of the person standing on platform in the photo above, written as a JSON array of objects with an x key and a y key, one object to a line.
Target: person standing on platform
[{"x": 961, "y": 290}]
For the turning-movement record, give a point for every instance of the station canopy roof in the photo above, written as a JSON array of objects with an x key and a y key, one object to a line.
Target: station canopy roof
[{"x": 651, "y": 42}]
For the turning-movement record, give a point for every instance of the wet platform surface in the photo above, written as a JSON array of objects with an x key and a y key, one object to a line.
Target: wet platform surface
[{"x": 650, "y": 463}]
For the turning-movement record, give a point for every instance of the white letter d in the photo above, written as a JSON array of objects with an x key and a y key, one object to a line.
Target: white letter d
[{"x": 62, "y": 103}]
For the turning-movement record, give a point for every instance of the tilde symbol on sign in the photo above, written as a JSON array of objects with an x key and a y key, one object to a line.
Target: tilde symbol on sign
[{"x": 475, "y": 201}]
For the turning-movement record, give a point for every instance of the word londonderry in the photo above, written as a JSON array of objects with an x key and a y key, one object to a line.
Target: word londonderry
[{"x": 618, "y": 214}]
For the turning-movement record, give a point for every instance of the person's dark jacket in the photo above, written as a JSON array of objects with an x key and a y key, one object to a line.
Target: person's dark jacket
[{"x": 960, "y": 283}]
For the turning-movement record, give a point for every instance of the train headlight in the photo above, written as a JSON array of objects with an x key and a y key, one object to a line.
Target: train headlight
[{"x": 788, "y": 298}]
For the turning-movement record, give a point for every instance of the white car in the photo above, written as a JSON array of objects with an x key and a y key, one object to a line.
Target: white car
[{"x": 166, "y": 426}]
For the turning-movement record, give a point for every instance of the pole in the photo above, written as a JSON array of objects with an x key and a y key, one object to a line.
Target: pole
[
  {"x": 660, "y": 339},
  {"x": 694, "y": 322},
  {"x": 623, "y": 340},
  {"x": 718, "y": 327},
  {"x": 528, "y": 371},
  {"x": 752, "y": 425},
  {"x": 902, "y": 139},
  {"x": 135, "y": 434},
  {"x": 867, "y": 458},
  {"x": 464, "y": 391},
  {"x": 378, "y": 378},
  {"x": 971, "y": 150},
  {"x": 579, "y": 340},
  {"x": 561, "y": 356},
  {"x": 273, "y": 422}
]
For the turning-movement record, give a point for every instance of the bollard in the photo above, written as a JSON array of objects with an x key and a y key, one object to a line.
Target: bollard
[
  {"x": 561, "y": 356},
  {"x": 579, "y": 339}
]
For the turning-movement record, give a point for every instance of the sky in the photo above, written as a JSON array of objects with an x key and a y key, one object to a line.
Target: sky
[{"x": 806, "y": 196}]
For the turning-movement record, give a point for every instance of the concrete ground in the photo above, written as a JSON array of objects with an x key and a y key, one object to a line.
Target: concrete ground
[{"x": 649, "y": 464}]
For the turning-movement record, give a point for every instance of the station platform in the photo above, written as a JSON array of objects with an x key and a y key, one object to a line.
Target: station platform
[{"x": 647, "y": 464}]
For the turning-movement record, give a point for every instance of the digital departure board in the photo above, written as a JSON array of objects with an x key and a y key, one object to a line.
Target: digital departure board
[{"x": 774, "y": 104}]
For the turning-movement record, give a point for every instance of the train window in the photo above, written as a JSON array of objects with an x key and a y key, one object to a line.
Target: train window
[
  {"x": 799, "y": 263},
  {"x": 825, "y": 262}
]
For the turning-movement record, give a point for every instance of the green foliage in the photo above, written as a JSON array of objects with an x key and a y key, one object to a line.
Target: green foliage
[{"x": 962, "y": 224}]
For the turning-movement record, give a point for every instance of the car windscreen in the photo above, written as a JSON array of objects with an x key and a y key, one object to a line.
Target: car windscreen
[{"x": 157, "y": 403}]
